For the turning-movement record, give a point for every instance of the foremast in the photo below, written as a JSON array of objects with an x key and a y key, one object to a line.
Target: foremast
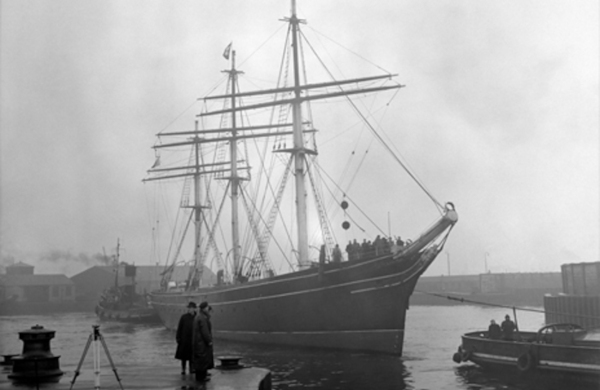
[{"x": 193, "y": 277}]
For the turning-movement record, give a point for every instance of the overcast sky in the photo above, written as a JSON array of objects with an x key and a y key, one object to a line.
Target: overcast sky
[{"x": 500, "y": 116}]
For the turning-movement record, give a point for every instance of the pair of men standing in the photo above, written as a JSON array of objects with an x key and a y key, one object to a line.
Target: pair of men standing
[
  {"x": 194, "y": 341},
  {"x": 505, "y": 331}
]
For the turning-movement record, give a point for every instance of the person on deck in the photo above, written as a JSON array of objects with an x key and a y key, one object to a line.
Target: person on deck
[
  {"x": 322, "y": 255},
  {"x": 184, "y": 337},
  {"x": 378, "y": 245},
  {"x": 202, "y": 343},
  {"x": 337, "y": 254},
  {"x": 365, "y": 249},
  {"x": 350, "y": 251},
  {"x": 494, "y": 331},
  {"x": 508, "y": 328},
  {"x": 356, "y": 249}
]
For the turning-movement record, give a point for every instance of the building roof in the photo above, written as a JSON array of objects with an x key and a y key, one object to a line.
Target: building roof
[
  {"x": 35, "y": 280},
  {"x": 149, "y": 273},
  {"x": 20, "y": 264}
]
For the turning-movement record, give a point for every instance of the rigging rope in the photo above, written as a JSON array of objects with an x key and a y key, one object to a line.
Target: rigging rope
[
  {"x": 345, "y": 48},
  {"x": 376, "y": 134},
  {"x": 355, "y": 204},
  {"x": 273, "y": 237}
]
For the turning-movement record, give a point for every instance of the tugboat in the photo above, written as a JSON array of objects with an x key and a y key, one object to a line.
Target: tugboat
[
  {"x": 121, "y": 302},
  {"x": 564, "y": 349}
]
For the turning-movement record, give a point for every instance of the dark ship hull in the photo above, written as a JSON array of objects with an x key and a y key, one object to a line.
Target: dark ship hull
[
  {"x": 133, "y": 315},
  {"x": 354, "y": 305},
  {"x": 11, "y": 307}
]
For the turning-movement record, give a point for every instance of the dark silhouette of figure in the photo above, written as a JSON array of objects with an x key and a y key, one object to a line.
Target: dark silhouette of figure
[
  {"x": 377, "y": 245},
  {"x": 494, "y": 331},
  {"x": 202, "y": 343},
  {"x": 508, "y": 328},
  {"x": 350, "y": 251},
  {"x": 365, "y": 249},
  {"x": 387, "y": 245},
  {"x": 356, "y": 250},
  {"x": 322, "y": 255},
  {"x": 337, "y": 254},
  {"x": 184, "y": 337}
]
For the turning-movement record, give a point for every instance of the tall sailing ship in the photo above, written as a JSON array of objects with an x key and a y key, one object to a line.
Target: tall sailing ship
[{"x": 332, "y": 294}]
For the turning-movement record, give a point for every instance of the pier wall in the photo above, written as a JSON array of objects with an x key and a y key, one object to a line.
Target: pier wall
[
  {"x": 516, "y": 289},
  {"x": 579, "y": 303}
]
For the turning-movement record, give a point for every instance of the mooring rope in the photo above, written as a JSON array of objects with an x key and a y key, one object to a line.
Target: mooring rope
[{"x": 467, "y": 301}]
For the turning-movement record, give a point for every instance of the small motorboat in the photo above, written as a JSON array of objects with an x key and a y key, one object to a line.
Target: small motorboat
[{"x": 565, "y": 349}]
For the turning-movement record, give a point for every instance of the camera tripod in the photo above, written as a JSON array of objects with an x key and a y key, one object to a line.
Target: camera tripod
[{"x": 95, "y": 339}]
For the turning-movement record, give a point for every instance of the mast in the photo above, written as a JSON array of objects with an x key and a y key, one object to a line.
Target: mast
[
  {"x": 299, "y": 153},
  {"x": 234, "y": 179},
  {"x": 293, "y": 95},
  {"x": 197, "y": 213},
  {"x": 117, "y": 266}
]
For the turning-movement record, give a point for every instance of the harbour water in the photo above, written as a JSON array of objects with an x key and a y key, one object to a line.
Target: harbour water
[{"x": 433, "y": 335}]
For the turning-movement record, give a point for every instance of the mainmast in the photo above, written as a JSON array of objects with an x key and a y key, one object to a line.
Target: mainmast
[
  {"x": 234, "y": 179},
  {"x": 299, "y": 151}
]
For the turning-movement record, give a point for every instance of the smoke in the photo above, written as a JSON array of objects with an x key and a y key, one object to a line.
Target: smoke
[
  {"x": 60, "y": 256},
  {"x": 54, "y": 261}
]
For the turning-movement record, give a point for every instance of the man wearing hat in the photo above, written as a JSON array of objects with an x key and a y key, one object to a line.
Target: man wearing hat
[
  {"x": 508, "y": 327},
  {"x": 184, "y": 337},
  {"x": 202, "y": 343}
]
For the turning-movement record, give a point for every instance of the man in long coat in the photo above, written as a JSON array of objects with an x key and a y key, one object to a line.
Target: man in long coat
[
  {"x": 184, "y": 337},
  {"x": 508, "y": 328},
  {"x": 202, "y": 343}
]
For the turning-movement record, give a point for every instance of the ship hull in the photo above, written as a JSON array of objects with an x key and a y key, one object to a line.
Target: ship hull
[
  {"x": 133, "y": 315},
  {"x": 359, "y": 306}
]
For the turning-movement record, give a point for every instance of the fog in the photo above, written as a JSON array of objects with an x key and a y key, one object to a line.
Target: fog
[{"x": 500, "y": 115}]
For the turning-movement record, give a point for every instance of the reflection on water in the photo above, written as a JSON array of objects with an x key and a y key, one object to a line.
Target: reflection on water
[
  {"x": 433, "y": 335},
  {"x": 473, "y": 377},
  {"x": 292, "y": 368}
]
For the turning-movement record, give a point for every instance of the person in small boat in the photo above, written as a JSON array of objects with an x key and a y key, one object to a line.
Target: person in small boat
[
  {"x": 508, "y": 328},
  {"x": 183, "y": 336},
  {"x": 202, "y": 343},
  {"x": 494, "y": 331}
]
